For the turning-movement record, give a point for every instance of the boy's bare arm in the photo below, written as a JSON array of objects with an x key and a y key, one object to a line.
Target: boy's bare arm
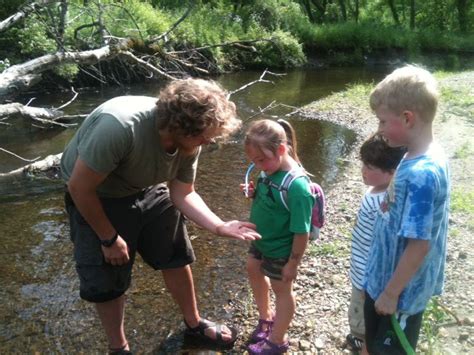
[{"x": 411, "y": 260}]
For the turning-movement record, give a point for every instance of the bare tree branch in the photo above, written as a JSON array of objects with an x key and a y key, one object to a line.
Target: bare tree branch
[
  {"x": 69, "y": 102},
  {"x": 181, "y": 19},
  {"x": 23, "y": 13},
  {"x": 234, "y": 43},
  {"x": 17, "y": 156},
  {"x": 44, "y": 116},
  {"x": 48, "y": 163},
  {"x": 259, "y": 80},
  {"x": 146, "y": 65}
]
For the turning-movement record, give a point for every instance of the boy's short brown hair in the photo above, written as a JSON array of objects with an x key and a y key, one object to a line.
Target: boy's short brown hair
[
  {"x": 377, "y": 153},
  {"x": 408, "y": 88}
]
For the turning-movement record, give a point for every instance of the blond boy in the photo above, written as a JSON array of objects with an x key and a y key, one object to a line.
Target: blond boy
[{"x": 406, "y": 261}]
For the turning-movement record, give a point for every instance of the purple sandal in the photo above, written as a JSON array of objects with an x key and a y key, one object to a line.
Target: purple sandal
[
  {"x": 260, "y": 333},
  {"x": 266, "y": 347}
]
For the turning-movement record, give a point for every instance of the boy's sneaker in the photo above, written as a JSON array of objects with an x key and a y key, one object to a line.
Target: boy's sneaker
[{"x": 354, "y": 342}]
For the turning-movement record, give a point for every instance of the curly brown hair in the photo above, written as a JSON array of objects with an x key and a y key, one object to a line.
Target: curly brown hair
[{"x": 190, "y": 106}]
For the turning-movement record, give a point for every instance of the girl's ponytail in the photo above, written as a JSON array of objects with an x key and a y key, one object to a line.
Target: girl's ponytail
[{"x": 290, "y": 138}]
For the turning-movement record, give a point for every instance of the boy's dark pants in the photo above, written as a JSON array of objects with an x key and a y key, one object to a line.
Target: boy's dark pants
[{"x": 380, "y": 336}]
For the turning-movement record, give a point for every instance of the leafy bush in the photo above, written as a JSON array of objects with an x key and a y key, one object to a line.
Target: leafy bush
[
  {"x": 33, "y": 39},
  {"x": 283, "y": 51},
  {"x": 67, "y": 71}
]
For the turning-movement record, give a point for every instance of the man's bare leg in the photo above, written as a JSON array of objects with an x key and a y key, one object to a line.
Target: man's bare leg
[
  {"x": 180, "y": 283},
  {"x": 111, "y": 314}
]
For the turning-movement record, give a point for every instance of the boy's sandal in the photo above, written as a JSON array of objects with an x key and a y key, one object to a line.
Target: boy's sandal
[
  {"x": 266, "y": 347},
  {"x": 120, "y": 351},
  {"x": 260, "y": 333},
  {"x": 354, "y": 342},
  {"x": 199, "y": 332}
]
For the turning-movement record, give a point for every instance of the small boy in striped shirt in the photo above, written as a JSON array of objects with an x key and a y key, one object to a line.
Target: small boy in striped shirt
[{"x": 379, "y": 162}]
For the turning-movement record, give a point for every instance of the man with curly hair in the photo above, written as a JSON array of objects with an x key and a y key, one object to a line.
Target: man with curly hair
[{"x": 115, "y": 168}]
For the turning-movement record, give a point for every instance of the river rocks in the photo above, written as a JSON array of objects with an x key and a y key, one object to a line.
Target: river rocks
[{"x": 304, "y": 345}]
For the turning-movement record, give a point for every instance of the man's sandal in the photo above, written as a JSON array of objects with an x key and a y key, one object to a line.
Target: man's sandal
[
  {"x": 199, "y": 332},
  {"x": 120, "y": 351}
]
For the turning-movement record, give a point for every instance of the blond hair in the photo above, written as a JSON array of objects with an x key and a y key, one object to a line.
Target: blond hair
[
  {"x": 266, "y": 135},
  {"x": 190, "y": 106},
  {"x": 408, "y": 88}
]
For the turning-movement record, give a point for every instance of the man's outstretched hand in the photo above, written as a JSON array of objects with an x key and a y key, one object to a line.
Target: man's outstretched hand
[{"x": 238, "y": 230}]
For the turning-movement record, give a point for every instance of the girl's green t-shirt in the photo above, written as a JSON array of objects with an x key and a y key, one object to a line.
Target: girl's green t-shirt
[{"x": 275, "y": 223}]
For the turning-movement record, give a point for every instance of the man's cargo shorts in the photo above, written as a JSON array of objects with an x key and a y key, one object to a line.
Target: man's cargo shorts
[{"x": 148, "y": 222}]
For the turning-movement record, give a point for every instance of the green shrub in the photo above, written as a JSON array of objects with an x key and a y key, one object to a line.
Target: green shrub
[
  {"x": 33, "y": 39},
  {"x": 283, "y": 51},
  {"x": 67, "y": 71}
]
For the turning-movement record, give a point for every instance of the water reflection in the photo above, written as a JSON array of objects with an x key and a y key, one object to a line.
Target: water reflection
[{"x": 41, "y": 310}]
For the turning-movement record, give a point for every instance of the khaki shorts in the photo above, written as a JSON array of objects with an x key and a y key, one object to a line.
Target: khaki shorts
[
  {"x": 148, "y": 222},
  {"x": 356, "y": 313}
]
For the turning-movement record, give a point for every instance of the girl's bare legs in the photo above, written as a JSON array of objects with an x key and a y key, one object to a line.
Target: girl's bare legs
[
  {"x": 285, "y": 309},
  {"x": 260, "y": 287}
]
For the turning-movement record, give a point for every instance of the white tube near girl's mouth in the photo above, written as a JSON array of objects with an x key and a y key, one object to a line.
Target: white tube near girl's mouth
[{"x": 247, "y": 175}]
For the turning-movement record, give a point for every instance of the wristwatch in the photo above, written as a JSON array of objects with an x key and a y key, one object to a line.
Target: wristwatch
[{"x": 109, "y": 242}]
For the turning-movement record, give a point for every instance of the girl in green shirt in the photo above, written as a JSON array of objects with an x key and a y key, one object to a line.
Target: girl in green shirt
[{"x": 273, "y": 260}]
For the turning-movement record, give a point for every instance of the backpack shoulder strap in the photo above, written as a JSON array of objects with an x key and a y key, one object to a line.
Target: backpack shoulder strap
[{"x": 288, "y": 179}]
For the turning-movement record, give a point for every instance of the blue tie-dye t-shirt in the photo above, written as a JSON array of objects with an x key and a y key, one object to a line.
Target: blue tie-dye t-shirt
[{"x": 415, "y": 206}]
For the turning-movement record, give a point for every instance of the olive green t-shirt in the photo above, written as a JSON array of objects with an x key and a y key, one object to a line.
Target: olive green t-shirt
[
  {"x": 275, "y": 223},
  {"x": 120, "y": 139}
]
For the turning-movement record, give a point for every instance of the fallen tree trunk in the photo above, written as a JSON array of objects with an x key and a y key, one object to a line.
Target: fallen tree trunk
[
  {"x": 44, "y": 116},
  {"x": 21, "y": 77},
  {"x": 48, "y": 166}
]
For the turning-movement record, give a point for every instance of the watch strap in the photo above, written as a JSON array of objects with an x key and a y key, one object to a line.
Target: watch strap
[{"x": 109, "y": 242}]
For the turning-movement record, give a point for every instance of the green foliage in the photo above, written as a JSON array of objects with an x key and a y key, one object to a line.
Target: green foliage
[
  {"x": 357, "y": 93},
  {"x": 459, "y": 101},
  {"x": 9, "y": 7},
  {"x": 434, "y": 315},
  {"x": 135, "y": 19},
  {"x": 337, "y": 249},
  {"x": 283, "y": 51},
  {"x": 351, "y": 36},
  {"x": 286, "y": 22},
  {"x": 67, "y": 71},
  {"x": 4, "y": 64},
  {"x": 462, "y": 201},
  {"x": 33, "y": 39},
  {"x": 142, "y": 17},
  {"x": 464, "y": 151}
]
